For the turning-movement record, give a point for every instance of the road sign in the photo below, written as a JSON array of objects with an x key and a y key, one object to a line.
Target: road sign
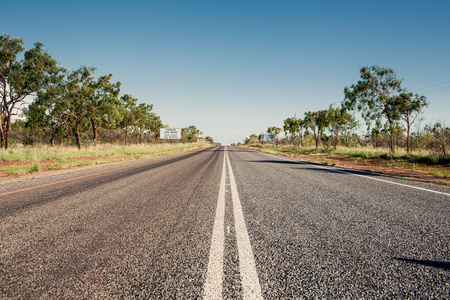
[
  {"x": 268, "y": 137},
  {"x": 170, "y": 133},
  {"x": 200, "y": 140}
]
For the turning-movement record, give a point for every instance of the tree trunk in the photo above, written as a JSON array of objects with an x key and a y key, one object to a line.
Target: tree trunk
[
  {"x": 3, "y": 122},
  {"x": 301, "y": 139},
  {"x": 3, "y": 135},
  {"x": 336, "y": 140},
  {"x": 7, "y": 131},
  {"x": 95, "y": 131},
  {"x": 392, "y": 142},
  {"x": 408, "y": 139},
  {"x": 77, "y": 134},
  {"x": 52, "y": 138},
  {"x": 316, "y": 137},
  {"x": 126, "y": 135}
]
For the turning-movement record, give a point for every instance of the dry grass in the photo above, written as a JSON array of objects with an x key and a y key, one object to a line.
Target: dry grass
[
  {"x": 418, "y": 162},
  {"x": 26, "y": 160}
]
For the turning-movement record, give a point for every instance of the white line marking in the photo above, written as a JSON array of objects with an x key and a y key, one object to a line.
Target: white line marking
[
  {"x": 368, "y": 177},
  {"x": 249, "y": 277},
  {"x": 214, "y": 276}
]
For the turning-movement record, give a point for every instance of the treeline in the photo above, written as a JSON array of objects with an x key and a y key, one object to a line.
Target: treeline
[
  {"x": 68, "y": 107},
  {"x": 387, "y": 109}
]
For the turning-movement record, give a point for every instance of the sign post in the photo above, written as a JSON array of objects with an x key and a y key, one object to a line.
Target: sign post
[
  {"x": 268, "y": 138},
  {"x": 170, "y": 134}
]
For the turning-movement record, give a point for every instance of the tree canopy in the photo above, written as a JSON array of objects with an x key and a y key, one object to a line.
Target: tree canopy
[{"x": 21, "y": 78}]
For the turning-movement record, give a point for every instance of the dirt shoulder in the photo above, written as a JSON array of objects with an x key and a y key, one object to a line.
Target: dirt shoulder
[{"x": 404, "y": 170}]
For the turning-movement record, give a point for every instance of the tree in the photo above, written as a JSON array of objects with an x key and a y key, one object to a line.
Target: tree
[
  {"x": 338, "y": 119},
  {"x": 104, "y": 105},
  {"x": 209, "y": 139},
  {"x": 75, "y": 100},
  {"x": 191, "y": 133},
  {"x": 129, "y": 117},
  {"x": 51, "y": 107},
  {"x": 441, "y": 134},
  {"x": 410, "y": 107},
  {"x": 294, "y": 126},
  {"x": 375, "y": 97},
  {"x": 143, "y": 117},
  {"x": 155, "y": 125},
  {"x": 36, "y": 121},
  {"x": 251, "y": 139},
  {"x": 19, "y": 79},
  {"x": 273, "y": 130},
  {"x": 317, "y": 121}
]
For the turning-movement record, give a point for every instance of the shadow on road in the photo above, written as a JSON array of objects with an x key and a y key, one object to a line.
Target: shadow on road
[
  {"x": 320, "y": 168},
  {"x": 431, "y": 263},
  {"x": 275, "y": 162}
]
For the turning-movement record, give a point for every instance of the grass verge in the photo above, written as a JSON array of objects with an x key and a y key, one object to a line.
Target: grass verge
[
  {"x": 399, "y": 163},
  {"x": 29, "y": 160}
]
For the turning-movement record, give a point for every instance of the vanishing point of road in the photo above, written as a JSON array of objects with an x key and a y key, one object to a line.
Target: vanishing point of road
[{"x": 223, "y": 222}]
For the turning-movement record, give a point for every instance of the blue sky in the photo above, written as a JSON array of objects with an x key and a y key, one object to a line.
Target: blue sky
[{"x": 233, "y": 68}]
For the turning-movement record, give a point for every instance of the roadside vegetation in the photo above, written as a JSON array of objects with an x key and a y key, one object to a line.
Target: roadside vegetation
[
  {"x": 52, "y": 118},
  {"x": 389, "y": 114},
  {"x": 23, "y": 160},
  {"x": 46, "y": 104},
  {"x": 368, "y": 159}
]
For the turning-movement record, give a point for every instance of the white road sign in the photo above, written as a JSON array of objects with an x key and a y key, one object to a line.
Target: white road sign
[
  {"x": 268, "y": 137},
  {"x": 170, "y": 133}
]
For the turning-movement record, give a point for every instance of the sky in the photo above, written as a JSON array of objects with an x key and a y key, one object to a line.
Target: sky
[{"x": 234, "y": 68}]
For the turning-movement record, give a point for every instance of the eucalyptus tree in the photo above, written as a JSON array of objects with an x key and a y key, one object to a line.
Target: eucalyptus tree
[
  {"x": 104, "y": 105},
  {"x": 375, "y": 97},
  {"x": 50, "y": 102},
  {"x": 339, "y": 118},
  {"x": 80, "y": 101},
  {"x": 143, "y": 118},
  {"x": 410, "y": 107},
  {"x": 75, "y": 100},
  {"x": 191, "y": 133},
  {"x": 441, "y": 134},
  {"x": 155, "y": 125},
  {"x": 294, "y": 126},
  {"x": 129, "y": 113},
  {"x": 317, "y": 121},
  {"x": 251, "y": 139},
  {"x": 36, "y": 121},
  {"x": 273, "y": 130},
  {"x": 21, "y": 78}
]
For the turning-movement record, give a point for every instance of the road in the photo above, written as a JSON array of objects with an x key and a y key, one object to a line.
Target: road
[{"x": 224, "y": 222}]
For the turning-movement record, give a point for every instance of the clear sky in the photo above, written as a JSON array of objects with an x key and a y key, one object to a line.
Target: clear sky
[{"x": 233, "y": 68}]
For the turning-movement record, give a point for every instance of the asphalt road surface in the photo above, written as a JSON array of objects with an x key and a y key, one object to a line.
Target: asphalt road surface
[{"x": 224, "y": 222}]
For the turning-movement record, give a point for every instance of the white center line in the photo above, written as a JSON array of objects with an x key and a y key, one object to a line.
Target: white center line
[
  {"x": 213, "y": 287},
  {"x": 249, "y": 277},
  {"x": 214, "y": 275}
]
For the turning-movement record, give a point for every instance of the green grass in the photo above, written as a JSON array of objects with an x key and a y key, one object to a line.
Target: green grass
[
  {"x": 362, "y": 155},
  {"x": 34, "y": 168},
  {"x": 420, "y": 158}
]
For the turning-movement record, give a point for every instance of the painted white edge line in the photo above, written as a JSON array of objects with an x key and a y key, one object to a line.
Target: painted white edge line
[
  {"x": 251, "y": 288},
  {"x": 214, "y": 276},
  {"x": 368, "y": 177}
]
